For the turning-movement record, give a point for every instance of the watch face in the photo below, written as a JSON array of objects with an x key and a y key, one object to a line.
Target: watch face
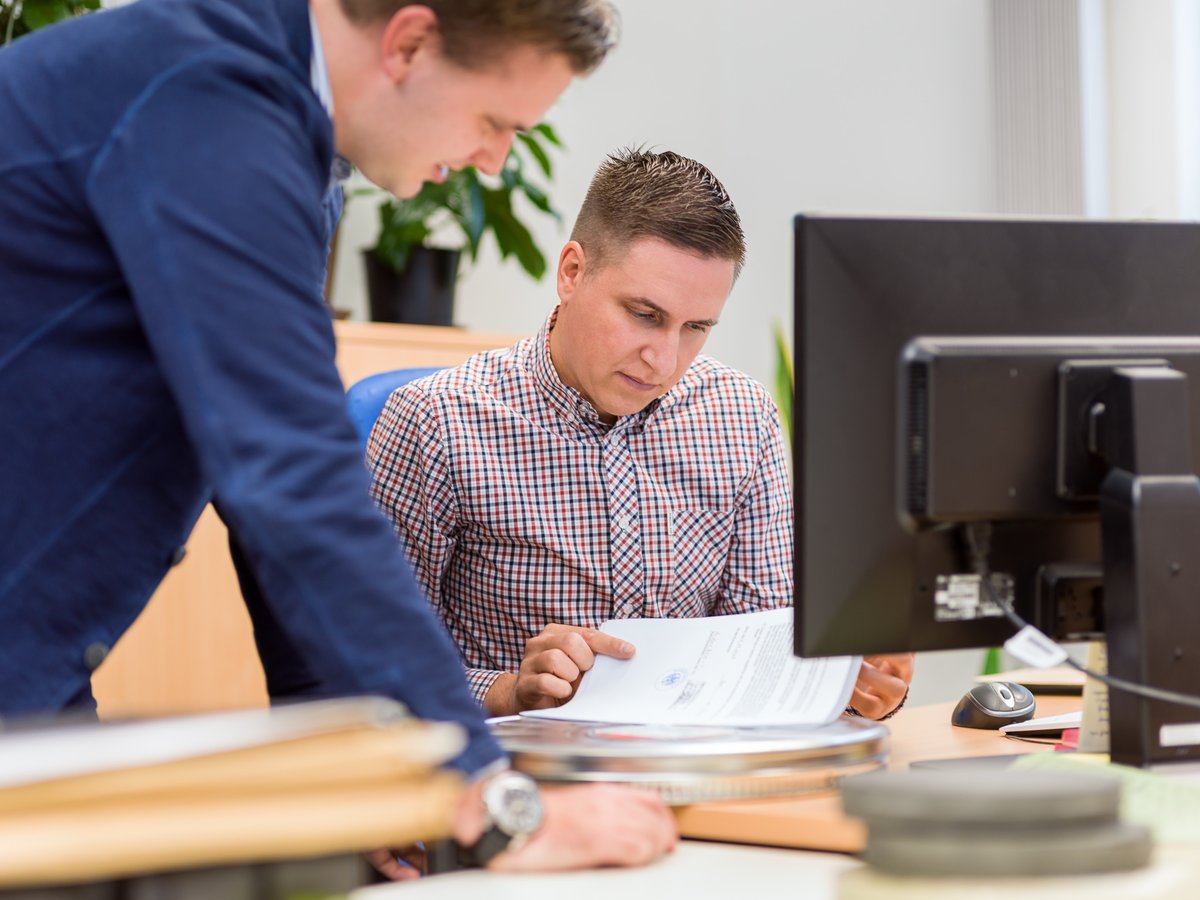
[{"x": 514, "y": 804}]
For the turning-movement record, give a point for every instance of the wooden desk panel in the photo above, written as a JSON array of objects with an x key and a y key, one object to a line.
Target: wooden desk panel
[
  {"x": 192, "y": 649},
  {"x": 816, "y": 821}
]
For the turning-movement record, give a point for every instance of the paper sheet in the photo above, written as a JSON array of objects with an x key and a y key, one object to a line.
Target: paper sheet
[{"x": 730, "y": 670}]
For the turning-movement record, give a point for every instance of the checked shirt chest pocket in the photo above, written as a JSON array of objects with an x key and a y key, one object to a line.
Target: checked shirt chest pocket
[{"x": 700, "y": 544}]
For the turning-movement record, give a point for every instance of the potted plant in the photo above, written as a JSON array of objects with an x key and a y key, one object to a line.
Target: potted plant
[
  {"x": 19, "y": 17},
  {"x": 409, "y": 279}
]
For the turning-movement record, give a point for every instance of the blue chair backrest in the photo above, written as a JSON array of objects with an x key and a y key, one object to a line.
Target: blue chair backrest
[{"x": 366, "y": 398}]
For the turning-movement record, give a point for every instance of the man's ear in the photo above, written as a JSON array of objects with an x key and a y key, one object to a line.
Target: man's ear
[
  {"x": 411, "y": 31},
  {"x": 571, "y": 265}
]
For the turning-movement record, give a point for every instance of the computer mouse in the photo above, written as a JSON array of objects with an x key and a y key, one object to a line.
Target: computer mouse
[{"x": 993, "y": 704}]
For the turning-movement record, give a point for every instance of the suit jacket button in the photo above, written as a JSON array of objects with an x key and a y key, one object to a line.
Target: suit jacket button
[
  {"x": 177, "y": 556},
  {"x": 94, "y": 655}
]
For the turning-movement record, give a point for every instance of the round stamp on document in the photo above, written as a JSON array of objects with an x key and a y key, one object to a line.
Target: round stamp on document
[{"x": 672, "y": 679}]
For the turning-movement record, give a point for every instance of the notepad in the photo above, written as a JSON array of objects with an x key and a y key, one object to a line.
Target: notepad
[
  {"x": 1058, "y": 680},
  {"x": 1044, "y": 725}
]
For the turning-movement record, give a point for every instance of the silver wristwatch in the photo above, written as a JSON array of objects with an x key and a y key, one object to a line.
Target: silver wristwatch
[{"x": 512, "y": 813}]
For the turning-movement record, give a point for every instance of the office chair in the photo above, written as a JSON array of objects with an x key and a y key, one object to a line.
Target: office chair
[{"x": 366, "y": 398}]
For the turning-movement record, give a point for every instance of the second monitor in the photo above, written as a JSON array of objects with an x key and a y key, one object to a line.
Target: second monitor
[{"x": 967, "y": 382}]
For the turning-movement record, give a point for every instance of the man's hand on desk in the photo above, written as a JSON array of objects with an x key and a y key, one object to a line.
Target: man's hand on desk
[
  {"x": 584, "y": 827},
  {"x": 882, "y": 684},
  {"x": 554, "y": 662},
  {"x": 594, "y": 825}
]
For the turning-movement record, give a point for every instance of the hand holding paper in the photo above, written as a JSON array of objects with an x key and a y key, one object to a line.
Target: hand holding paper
[{"x": 729, "y": 670}]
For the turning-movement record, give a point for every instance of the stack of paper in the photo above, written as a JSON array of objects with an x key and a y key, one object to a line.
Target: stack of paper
[
  {"x": 105, "y": 800},
  {"x": 735, "y": 670}
]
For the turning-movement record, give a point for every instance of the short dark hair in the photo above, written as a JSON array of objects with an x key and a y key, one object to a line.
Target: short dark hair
[
  {"x": 638, "y": 194},
  {"x": 477, "y": 32}
]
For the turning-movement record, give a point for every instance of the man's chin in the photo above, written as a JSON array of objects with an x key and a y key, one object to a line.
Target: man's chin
[
  {"x": 405, "y": 190},
  {"x": 402, "y": 187}
]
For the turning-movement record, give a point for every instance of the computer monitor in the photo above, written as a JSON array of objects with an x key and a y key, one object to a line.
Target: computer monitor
[{"x": 961, "y": 382}]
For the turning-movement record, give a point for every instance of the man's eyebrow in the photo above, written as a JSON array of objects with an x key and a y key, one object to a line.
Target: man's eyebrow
[
  {"x": 662, "y": 312},
  {"x": 504, "y": 125}
]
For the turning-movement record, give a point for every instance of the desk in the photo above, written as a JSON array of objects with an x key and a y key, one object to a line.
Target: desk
[
  {"x": 816, "y": 821},
  {"x": 700, "y": 870}
]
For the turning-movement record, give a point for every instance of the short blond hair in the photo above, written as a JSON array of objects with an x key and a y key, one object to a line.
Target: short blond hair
[
  {"x": 477, "y": 32},
  {"x": 641, "y": 194}
]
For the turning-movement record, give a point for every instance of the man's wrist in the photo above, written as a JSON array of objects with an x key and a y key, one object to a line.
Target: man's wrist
[
  {"x": 512, "y": 813},
  {"x": 501, "y": 696},
  {"x": 851, "y": 710}
]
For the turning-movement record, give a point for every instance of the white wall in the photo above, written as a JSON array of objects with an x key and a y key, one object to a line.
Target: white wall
[
  {"x": 810, "y": 105},
  {"x": 819, "y": 105},
  {"x": 1153, "y": 51}
]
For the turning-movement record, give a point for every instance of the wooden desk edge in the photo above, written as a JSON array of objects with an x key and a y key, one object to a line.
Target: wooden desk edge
[{"x": 816, "y": 821}]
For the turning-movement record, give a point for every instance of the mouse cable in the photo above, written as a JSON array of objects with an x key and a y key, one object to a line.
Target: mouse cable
[{"x": 979, "y": 541}]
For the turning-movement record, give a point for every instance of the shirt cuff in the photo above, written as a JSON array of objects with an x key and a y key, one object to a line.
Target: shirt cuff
[
  {"x": 499, "y": 765},
  {"x": 480, "y": 681},
  {"x": 851, "y": 711}
]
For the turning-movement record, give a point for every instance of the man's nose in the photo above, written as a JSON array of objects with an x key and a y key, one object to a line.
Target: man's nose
[
  {"x": 491, "y": 155},
  {"x": 662, "y": 353}
]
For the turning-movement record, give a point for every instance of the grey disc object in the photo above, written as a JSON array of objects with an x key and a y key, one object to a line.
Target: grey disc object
[
  {"x": 1110, "y": 847},
  {"x": 995, "y": 825},
  {"x": 689, "y": 764},
  {"x": 992, "y": 799}
]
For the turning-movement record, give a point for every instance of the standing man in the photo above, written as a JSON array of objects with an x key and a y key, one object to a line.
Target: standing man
[{"x": 167, "y": 196}]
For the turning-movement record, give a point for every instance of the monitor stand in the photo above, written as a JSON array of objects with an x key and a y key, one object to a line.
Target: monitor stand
[{"x": 1150, "y": 527}]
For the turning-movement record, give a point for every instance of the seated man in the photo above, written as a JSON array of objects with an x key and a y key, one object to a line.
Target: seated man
[{"x": 603, "y": 468}]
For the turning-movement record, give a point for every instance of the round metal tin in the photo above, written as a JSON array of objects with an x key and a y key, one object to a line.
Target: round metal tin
[{"x": 689, "y": 764}]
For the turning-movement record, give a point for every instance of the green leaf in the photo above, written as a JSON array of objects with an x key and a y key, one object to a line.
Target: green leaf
[
  {"x": 535, "y": 150},
  {"x": 991, "y": 661},
  {"x": 512, "y": 237},
  {"x": 401, "y": 227},
  {"x": 539, "y": 199},
  {"x": 785, "y": 380},
  {"x": 476, "y": 205},
  {"x": 40, "y": 13},
  {"x": 474, "y": 219},
  {"x": 546, "y": 130}
]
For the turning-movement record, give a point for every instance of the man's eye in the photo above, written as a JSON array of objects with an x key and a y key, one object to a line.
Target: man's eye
[
  {"x": 698, "y": 327},
  {"x": 642, "y": 315}
]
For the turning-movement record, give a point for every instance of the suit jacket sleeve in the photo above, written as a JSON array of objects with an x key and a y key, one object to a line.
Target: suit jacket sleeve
[{"x": 210, "y": 193}]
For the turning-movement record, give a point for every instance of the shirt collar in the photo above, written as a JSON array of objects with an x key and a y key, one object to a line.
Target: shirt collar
[
  {"x": 567, "y": 401},
  {"x": 317, "y": 71},
  {"x": 319, "y": 75}
]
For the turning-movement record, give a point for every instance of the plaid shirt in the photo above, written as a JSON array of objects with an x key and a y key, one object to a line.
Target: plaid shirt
[{"x": 519, "y": 508}]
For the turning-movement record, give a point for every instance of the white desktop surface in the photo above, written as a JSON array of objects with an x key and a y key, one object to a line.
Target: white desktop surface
[
  {"x": 697, "y": 870},
  {"x": 712, "y": 870},
  {"x": 700, "y": 870}
]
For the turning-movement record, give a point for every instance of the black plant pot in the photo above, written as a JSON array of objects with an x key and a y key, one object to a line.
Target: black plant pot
[{"x": 423, "y": 294}]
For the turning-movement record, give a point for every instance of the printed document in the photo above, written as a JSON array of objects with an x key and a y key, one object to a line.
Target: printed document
[{"x": 722, "y": 670}]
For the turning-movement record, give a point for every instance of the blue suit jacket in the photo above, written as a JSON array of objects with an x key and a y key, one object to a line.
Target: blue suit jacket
[{"x": 163, "y": 341}]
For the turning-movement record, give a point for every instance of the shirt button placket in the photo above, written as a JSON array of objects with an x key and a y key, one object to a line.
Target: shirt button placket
[{"x": 625, "y": 534}]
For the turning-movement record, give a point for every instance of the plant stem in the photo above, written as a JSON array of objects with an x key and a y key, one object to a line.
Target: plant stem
[{"x": 13, "y": 12}]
